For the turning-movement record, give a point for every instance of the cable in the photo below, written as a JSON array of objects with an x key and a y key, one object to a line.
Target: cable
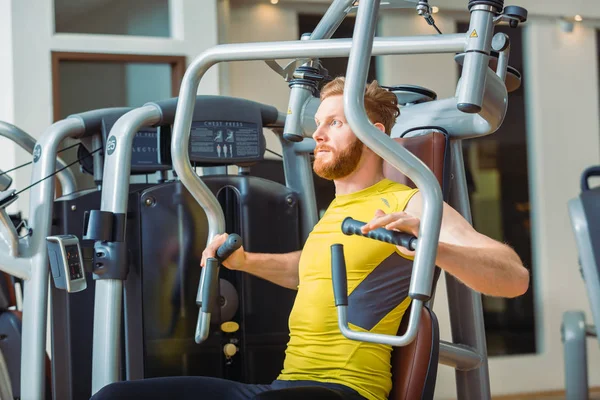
[
  {"x": 27, "y": 163},
  {"x": 57, "y": 171},
  {"x": 272, "y": 152},
  {"x": 424, "y": 11},
  {"x": 16, "y": 168}
]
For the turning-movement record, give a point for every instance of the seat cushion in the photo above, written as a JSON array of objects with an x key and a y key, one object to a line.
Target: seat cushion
[{"x": 414, "y": 367}]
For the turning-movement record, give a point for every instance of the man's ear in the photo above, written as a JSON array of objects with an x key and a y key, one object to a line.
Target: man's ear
[{"x": 379, "y": 126}]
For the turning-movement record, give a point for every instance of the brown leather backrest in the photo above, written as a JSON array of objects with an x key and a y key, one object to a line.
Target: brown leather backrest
[
  {"x": 429, "y": 148},
  {"x": 414, "y": 367}
]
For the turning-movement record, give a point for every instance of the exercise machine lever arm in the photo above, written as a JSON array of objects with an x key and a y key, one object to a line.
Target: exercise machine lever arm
[
  {"x": 209, "y": 281},
  {"x": 340, "y": 290}
]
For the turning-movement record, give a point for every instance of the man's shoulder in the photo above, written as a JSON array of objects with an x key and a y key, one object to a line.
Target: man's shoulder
[{"x": 399, "y": 194}]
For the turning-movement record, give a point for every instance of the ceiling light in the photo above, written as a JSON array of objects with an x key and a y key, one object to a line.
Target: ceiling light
[
  {"x": 435, "y": 10},
  {"x": 274, "y": 1},
  {"x": 578, "y": 18}
]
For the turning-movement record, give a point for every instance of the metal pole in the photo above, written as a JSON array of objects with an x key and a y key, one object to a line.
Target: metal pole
[
  {"x": 35, "y": 302},
  {"x": 109, "y": 292},
  {"x": 575, "y": 355},
  {"x": 466, "y": 310}
]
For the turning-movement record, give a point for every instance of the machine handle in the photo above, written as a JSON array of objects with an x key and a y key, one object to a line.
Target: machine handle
[
  {"x": 352, "y": 227},
  {"x": 338, "y": 275},
  {"x": 233, "y": 242},
  {"x": 589, "y": 172},
  {"x": 206, "y": 297},
  {"x": 209, "y": 285}
]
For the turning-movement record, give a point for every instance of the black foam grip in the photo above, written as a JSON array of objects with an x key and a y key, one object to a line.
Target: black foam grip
[
  {"x": 589, "y": 172},
  {"x": 352, "y": 227},
  {"x": 232, "y": 243},
  {"x": 209, "y": 291},
  {"x": 338, "y": 275}
]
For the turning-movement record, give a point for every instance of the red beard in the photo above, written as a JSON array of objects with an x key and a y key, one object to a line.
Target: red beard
[{"x": 340, "y": 165}]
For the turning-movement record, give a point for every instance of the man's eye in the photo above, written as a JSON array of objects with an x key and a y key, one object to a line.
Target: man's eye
[{"x": 335, "y": 122}]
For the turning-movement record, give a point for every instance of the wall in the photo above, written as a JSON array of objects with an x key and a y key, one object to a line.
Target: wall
[
  {"x": 250, "y": 79},
  {"x": 561, "y": 110},
  {"x": 8, "y": 150},
  {"x": 193, "y": 28}
]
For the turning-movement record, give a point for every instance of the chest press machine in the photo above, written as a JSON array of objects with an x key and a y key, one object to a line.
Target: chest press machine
[{"x": 477, "y": 109}]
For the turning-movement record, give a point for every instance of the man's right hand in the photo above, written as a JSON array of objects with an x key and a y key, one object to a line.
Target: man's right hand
[{"x": 235, "y": 261}]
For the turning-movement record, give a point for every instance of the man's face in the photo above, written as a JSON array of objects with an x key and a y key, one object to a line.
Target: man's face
[{"x": 338, "y": 150}]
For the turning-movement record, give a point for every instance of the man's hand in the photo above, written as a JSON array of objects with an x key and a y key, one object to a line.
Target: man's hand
[
  {"x": 235, "y": 261},
  {"x": 398, "y": 221}
]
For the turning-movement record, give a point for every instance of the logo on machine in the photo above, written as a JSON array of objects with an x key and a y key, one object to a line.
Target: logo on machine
[
  {"x": 111, "y": 145},
  {"x": 37, "y": 153}
]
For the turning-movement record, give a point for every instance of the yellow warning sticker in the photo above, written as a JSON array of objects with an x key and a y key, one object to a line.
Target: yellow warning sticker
[
  {"x": 474, "y": 34},
  {"x": 289, "y": 111}
]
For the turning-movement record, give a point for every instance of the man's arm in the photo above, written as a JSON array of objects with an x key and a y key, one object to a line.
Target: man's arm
[
  {"x": 483, "y": 264},
  {"x": 281, "y": 269}
]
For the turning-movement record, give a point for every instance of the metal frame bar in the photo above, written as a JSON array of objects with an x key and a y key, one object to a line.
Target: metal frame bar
[
  {"x": 36, "y": 287},
  {"x": 109, "y": 292},
  {"x": 272, "y": 50},
  {"x": 466, "y": 309},
  {"x": 575, "y": 355}
]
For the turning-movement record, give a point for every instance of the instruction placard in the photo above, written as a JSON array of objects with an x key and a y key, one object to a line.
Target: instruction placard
[{"x": 224, "y": 140}]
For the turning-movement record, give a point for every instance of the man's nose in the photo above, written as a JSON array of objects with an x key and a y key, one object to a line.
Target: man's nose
[{"x": 319, "y": 134}]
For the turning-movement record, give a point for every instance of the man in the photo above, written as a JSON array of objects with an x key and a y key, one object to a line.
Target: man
[{"x": 378, "y": 273}]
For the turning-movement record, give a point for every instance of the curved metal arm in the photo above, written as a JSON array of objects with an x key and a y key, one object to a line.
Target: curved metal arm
[
  {"x": 27, "y": 143},
  {"x": 394, "y": 153},
  {"x": 264, "y": 51},
  {"x": 398, "y": 341}
]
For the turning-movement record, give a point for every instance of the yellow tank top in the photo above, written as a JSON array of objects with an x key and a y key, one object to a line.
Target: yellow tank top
[{"x": 378, "y": 281}]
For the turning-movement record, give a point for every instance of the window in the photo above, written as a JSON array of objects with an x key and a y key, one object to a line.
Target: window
[
  {"x": 114, "y": 17},
  {"x": 496, "y": 167},
  {"x": 84, "y": 81}
]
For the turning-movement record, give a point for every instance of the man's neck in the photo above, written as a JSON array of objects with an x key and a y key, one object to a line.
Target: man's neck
[{"x": 357, "y": 181}]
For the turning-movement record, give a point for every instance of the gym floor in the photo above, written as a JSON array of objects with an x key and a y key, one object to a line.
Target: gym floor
[{"x": 554, "y": 395}]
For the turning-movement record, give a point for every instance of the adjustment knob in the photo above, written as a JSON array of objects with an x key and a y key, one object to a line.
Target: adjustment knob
[{"x": 229, "y": 350}]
